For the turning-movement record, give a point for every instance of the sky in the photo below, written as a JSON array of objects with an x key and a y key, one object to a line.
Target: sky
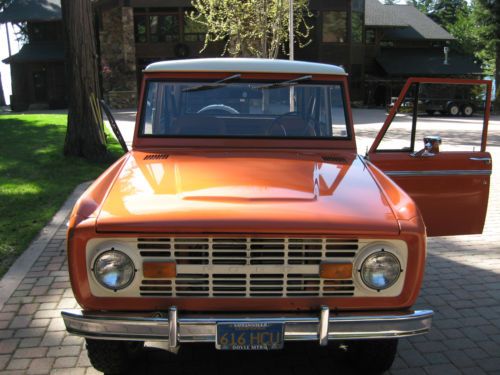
[{"x": 4, "y": 53}]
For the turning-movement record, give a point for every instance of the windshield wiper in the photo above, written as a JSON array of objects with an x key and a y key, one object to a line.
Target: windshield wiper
[
  {"x": 283, "y": 84},
  {"x": 213, "y": 85}
]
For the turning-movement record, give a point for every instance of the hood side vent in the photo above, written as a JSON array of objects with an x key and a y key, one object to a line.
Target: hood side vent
[
  {"x": 156, "y": 156},
  {"x": 333, "y": 159}
]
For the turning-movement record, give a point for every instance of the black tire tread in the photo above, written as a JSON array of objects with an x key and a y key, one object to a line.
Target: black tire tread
[
  {"x": 110, "y": 357},
  {"x": 373, "y": 356}
]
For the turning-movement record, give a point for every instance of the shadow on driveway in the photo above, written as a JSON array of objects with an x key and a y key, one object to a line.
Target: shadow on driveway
[
  {"x": 461, "y": 285},
  {"x": 295, "y": 358}
]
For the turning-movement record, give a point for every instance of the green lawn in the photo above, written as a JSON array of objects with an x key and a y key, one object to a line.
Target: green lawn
[{"x": 35, "y": 177}]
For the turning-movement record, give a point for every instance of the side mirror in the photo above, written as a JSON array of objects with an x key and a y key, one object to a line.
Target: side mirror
[
  {"x": 431, "y": 147},
  {"x": 431, "y": 143}
]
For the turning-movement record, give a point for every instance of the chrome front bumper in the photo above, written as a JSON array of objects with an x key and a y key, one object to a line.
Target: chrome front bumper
[{"x": 176, "y": 329}]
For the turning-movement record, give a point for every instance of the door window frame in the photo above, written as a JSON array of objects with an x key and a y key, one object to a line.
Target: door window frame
[{"x": 417, "y": 81}]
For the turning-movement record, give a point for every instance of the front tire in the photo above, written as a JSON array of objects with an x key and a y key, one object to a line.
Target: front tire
[
  {"x": 113, "y": 357},
  {"x": 373, "y": 356}
]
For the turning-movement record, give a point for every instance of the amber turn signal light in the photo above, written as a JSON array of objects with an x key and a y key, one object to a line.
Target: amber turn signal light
[
  {"x": 159, "y": 270},
  {"x": 335, "y": 270}
]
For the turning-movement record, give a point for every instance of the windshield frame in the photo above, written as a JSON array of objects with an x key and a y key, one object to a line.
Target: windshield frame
[{"x": 148, "y": 140}]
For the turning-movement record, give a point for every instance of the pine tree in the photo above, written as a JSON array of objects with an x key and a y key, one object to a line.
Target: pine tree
[
  {"x": 488, "y": 14},
  {"x": 445, "y": 12},
  {"x": 85, "y": 133},
  {"x": 476, "y": 26}
]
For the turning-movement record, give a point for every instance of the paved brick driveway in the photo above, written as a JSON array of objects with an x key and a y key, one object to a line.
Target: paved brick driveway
[{"x": 462, "y": 285}]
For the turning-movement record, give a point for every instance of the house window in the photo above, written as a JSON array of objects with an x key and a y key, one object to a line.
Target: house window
[
  {"x": 156, "y": 28},
  {"x": 357, "y": 27},
  {"x": 370, "y": 36},
  {"x": 193, "y": 31},
  {"x": 141, "y": 29},
  {"x": 163, "y": 28},
  {"x": 334, "y": 27},
  {"x": 357, "y": 20}
]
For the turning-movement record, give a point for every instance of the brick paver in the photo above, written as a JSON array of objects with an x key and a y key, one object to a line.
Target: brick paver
[{"x": 462, "y": 285}]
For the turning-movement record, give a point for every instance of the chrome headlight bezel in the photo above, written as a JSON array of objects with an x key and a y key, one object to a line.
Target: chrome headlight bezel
[
  {"x": 391, "y": 270},
  {"x": 397, "y": 248},
  {"x": 128, "y": 264}
]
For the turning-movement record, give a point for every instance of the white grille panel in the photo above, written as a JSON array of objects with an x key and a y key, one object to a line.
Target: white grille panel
[
  {"x": 247, "y": 251},
  {"x": 247, "y": 267}
]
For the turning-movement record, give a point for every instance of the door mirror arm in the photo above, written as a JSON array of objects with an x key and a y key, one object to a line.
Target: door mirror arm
[{"x": 423, "y": 153}]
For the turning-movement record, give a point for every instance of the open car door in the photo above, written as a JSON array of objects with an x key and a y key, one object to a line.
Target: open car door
[{"x": 449, "y": 175}]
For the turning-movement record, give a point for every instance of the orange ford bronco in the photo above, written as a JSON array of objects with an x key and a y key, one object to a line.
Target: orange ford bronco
[{"x": 244, "y": 217}]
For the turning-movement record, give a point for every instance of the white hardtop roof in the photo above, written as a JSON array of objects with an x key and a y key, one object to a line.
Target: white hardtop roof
[{"x": 244, "y": 65}]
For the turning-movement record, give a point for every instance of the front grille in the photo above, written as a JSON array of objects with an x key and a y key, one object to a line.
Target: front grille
[{"x": 247, "y": 267}]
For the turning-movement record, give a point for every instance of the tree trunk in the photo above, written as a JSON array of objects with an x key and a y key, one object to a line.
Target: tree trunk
[
  {"x": 2, "y": 96},
  {"x": 496, "y": 98},
  {"x": 85, "y": 134}
]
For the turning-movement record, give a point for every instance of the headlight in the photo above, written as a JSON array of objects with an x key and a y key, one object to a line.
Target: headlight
[
  {"x": 380, "y": 270},
  {"x": 114, "y": 270}
]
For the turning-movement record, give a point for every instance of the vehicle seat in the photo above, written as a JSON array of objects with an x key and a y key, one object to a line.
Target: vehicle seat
[
  {"x": 295, "y": 126},
  {"x": 198, "y": 125}
]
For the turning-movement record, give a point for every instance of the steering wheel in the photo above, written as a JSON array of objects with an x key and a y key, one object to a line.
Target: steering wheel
[
  {"x": 218, "y": 109},
  {"x": 278, "y": 129}
]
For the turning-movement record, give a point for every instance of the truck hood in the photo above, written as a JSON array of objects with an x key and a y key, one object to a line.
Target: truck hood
[{"x": 245, "y": 193}]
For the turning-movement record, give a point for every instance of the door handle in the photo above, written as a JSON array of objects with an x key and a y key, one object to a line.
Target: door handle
[{"x": 485, "y": 160}]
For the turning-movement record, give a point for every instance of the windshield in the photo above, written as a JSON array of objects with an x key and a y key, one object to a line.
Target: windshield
[{"x": 230, "y": 108}]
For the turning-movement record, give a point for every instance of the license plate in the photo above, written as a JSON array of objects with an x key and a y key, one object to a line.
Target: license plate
[{"x": 249, "y": 336}]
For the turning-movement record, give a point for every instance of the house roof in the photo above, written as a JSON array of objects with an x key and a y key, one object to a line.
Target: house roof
[
  {"x": 404, "y": 16},
  {"x": 401, "y": 33},
  {"x": 425, "y": 62},
  {"x": 37, "y": 52},
  {"x": 239, "y": 65},
  {"x": 378, "y": 14},
  {"x": 31, "y": 10}
]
